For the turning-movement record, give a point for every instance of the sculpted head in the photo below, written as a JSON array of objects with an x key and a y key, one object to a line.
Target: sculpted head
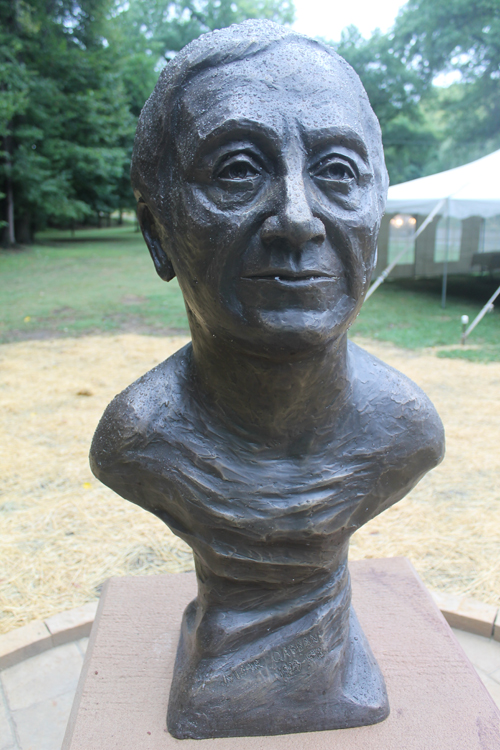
[{"x": 259, "y": 173}]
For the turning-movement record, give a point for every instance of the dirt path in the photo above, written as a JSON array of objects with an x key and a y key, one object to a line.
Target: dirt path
[{"x": 62, "y": 533}]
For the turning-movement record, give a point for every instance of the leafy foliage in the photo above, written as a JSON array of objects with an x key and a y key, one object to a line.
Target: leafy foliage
[
  {"x": 395, "y": 91},
  {"x": 65, "y": 139},
  {"x": 461, "y": 37},
  {"x": 169, "y": 26},
  {"x": 74, "y": 75}
]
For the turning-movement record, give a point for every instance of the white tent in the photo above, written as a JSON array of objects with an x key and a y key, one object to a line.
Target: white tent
[{"x": 471, "y": 190}]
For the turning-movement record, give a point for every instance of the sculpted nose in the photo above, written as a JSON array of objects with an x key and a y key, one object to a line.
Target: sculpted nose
[{"x": 294, "y": 220}]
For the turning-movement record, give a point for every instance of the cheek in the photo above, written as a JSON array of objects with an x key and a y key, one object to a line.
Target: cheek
[
  {"x": 200, "y": 222},
  {"x": 213, "y": 239},
  {"x": 353, "y": 237},
  {"x": 361, "y": 228},
  {"x": 364, "y": 245},
  {"x": 204, "y": 248},
  {"x": 195, "y": 238}
]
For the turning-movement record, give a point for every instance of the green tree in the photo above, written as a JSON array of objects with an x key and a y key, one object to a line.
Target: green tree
[
  {"x": 145, "y": 34},
  {"x": 166, "y": 27},
  {"x": 74, "y": 75},
  {"x": 462, "y": 37},
  {"x": 64, "y": 142},
  {"x": 15, "y": 82},
  {"x": 395, "y": 92}
]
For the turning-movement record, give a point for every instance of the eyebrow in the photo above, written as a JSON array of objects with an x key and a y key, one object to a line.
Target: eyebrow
[
  {"x": 239, "y": 129},
  {"x": 339, "y": 136}
]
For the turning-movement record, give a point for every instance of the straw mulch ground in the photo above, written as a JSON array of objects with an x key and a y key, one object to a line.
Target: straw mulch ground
[{"x": 62, "y": 534}]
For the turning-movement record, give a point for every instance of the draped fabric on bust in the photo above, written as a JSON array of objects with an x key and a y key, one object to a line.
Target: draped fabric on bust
[
  {"x": 271, "y": 642},
  {"x": 273, "y": 619}
]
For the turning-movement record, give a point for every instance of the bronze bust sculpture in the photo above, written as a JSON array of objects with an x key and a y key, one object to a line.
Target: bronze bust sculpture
[{"x": 260, "y": 179}]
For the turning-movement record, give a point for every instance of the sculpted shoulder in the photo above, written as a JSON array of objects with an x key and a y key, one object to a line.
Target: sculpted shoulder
[
  {"x": 397, "y": 410},
  {"x": 401, "y": 434},
  {"x": 132, "y": 419}
]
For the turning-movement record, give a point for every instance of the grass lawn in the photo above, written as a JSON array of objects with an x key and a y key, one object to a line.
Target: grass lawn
[
  {"x": 103, "y": 280},
  {"x": 100, "y": 280},
  {"x": 409, "y": 314}
]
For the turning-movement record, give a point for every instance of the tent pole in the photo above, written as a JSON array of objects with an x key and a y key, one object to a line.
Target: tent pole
[
  {"x": 445, "y": 264},
  {"x": 478, "y": 318},
  {"x": 380, "y": 280}
]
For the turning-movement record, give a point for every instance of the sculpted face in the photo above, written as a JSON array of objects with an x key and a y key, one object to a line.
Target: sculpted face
[{"x": 274, "y": 210}]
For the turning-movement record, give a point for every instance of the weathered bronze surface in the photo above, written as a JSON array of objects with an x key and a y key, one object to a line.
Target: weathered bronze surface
[{"x": 260, "y": 179}]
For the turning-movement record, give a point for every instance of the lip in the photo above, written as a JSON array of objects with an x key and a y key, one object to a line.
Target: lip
[{"x": 289, "y": 277}]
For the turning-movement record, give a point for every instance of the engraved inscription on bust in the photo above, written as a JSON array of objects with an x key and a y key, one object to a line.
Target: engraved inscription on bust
[{"x": 266, "y": 442}]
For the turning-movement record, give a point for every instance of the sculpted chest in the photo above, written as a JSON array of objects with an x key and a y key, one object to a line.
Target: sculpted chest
[{"x": 230, "y": 498}]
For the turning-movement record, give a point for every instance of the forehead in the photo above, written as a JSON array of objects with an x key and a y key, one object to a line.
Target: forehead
[{"x": 287, "y": 87}]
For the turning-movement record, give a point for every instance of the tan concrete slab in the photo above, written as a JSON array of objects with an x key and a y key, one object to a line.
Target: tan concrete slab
[
  {"x": 71, "y": 625},
  {"x": 7, "y": 737},
  {"x": 42, "y": 677},
  {"x": 82, "y": 645},
  {"x": 23, "y": 643},
  {"x": 42, "y": 726},
  {"x": 437, "y": 700},
  {"x": 491, "y": 685},
  {"x": 484, "y": 653},
  {"x": 496, "y": 675}
]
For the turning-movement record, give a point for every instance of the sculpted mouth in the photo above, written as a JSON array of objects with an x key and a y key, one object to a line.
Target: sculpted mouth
[{"x": 290, "y": 276}]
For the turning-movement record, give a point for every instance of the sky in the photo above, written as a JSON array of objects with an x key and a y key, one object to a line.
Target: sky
[{"x": 327, "y": 18}]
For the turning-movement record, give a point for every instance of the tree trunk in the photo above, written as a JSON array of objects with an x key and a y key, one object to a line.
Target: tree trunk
[
  {"x": 9, "y": 192},
  {"x": 10, "y": 213},
  {"x": 23, "y": 229}
]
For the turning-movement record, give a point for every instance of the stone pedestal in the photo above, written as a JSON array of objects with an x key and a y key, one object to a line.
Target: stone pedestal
[{"x": 437, "y": 701}]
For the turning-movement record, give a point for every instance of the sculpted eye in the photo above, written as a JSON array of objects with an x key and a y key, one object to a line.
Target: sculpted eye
[
  {"x": 238, "y": 169},
  {"x": 333, "y": 169}
]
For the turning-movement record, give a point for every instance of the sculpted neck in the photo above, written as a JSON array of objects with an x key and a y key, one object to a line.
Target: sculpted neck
[{"x": 281, "y": 400}]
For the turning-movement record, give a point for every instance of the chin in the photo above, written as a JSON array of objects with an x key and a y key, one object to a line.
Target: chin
[{"x": 298, "y": 333}]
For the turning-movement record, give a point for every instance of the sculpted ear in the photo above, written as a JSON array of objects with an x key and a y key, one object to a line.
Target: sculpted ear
[{"x": 149, "y": 228}]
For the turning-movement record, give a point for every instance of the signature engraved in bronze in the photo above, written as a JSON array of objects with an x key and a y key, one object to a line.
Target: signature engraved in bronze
[
  {"x": 294, "y": 650},
  {"x": 287, "y": 661},
  {"x": 289, "y": 670},
  {"x": 240, "y": 671}
]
